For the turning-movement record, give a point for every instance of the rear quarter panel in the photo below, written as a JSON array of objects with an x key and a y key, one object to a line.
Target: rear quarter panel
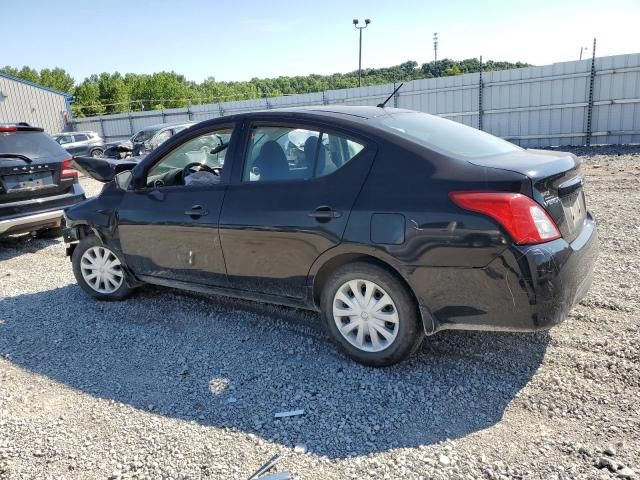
[{"x": 415, "y": 185}]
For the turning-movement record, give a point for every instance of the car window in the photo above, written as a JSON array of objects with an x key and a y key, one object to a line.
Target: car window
[
  {"x": 445, "y": 136},
  {"x": 289, "y": 153},
  {"x": 80, "y": 138},
  {"x": 208, "y": 149},
  {"x": 162, "y": 137},
  {"x": 280, "y": 153},
  {"x": 64, "y": 139},
  {"x": 142, "y": 136},
  {"x": 335, "y": 152},
  {"x": 32, "y": 144}
]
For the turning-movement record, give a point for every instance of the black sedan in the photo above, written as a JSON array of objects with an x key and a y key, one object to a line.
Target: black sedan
[{"x": 393, "y": 224}]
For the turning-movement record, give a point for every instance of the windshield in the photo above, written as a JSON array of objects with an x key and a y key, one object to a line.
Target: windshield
[
  {"x": 143, "y": 136},
  {"x": 34, "y": 145},
  {"x": 445, "y": 136}
]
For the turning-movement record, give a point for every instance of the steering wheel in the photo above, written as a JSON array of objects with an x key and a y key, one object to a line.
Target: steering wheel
[{"x": 198, "y": 167}]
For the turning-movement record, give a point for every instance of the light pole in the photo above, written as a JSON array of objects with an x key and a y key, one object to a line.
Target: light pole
[
  {"x": 583, "y": 49},
  {"x": 355, "y": 24},
  {"x": 435, "y": 47}
]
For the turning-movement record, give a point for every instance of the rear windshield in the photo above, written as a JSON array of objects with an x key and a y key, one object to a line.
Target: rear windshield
[
  {"x": 35, "y": 145},
  {"x": 445, "y": 136}
]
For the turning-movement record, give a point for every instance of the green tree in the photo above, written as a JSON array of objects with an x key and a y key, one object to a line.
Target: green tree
[
  {"x": 113, "y": 92},
  {"x": 88, "y": 100},
  {"x": 25, "y": 73},
  {"x": 56, "y": 78}
]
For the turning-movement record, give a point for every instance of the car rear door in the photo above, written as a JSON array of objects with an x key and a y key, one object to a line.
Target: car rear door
[
  {"x": 289, "y": 203},
  {"x": 171, "y": 231}
]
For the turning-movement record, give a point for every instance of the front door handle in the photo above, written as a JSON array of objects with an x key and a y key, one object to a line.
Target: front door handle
[
  {"x": 156, "y": 195},
  {"x": 197, "y": 211},
  {"x": 325, "y": 213}
]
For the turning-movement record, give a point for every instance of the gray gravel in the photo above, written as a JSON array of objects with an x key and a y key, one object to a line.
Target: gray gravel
[{"x": 175, "y": 385}]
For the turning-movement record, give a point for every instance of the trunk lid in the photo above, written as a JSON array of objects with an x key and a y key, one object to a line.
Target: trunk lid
[
  {"x": 35, "y": 170},
  {"x": 555, "y": 182}
]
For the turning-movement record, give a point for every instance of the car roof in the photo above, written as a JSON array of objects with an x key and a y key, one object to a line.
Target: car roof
[
  {"x": 345, "y": 111},
  {"x": 84, "y": 132}
]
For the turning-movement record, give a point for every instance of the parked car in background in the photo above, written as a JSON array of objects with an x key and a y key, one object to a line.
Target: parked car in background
[
  {"x": 36, "y": 181},
  {"x": 393, "y": 224},
  {"x": 146, "y": 140},
  {"x": 81, "y": 143}
]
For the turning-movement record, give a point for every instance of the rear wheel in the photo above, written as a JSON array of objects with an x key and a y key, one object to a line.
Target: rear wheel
[
  {"x": 99, "y": 270},
  {"x": 371, "y": 315}
]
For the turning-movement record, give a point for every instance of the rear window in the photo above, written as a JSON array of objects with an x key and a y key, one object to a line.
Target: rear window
[
  {"x": 445, "y": 136},
  {"x": 34, "y": 145}
]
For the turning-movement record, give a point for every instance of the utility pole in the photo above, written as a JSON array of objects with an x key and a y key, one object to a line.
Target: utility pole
[
  {"x": 355, "y": 24},
  {"x": 592, "y": 80},
  {"x": 435, "y": 47}
]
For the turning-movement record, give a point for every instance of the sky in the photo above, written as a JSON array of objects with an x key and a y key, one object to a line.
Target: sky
[{"x": 242, "y": 39}]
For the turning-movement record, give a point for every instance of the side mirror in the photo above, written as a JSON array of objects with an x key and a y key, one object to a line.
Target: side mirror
[{"x": 123, "y": 180}]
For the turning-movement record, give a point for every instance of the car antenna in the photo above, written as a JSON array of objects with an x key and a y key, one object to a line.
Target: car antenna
[{"x": 381, "y": 105}]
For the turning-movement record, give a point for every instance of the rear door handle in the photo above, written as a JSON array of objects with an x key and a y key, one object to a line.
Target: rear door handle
[
  {"x": 197, "y": 211},
  {"x": 325, "y": 213}
]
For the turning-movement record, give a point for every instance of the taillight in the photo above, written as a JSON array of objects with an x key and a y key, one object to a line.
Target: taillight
[
  {"x": 525, "y": 220},
  {"x": 67, "y": 171},
  {"x": 8, "y": 128}
]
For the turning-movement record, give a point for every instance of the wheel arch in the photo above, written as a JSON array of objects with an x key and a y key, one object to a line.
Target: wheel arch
[{"x": 330, "y": 261}]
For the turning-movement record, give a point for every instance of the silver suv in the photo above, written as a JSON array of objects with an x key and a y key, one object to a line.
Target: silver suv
[{"x": 81, "y": 143}]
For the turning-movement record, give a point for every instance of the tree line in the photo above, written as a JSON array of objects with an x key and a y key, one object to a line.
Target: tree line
[{"x": 106, "y": 93}]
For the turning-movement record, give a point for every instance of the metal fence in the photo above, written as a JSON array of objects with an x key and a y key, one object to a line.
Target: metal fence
[{"x": 594, "y": 101}]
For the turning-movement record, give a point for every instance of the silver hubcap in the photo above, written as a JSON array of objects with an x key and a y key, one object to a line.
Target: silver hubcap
[
  {"x": 101, "y": 269},
  {"x": 365, "y": 315}
]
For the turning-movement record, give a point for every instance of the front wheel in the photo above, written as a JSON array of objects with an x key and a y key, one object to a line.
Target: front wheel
[
  {"x": 99, "y": 270},
  {"x": 371, "y": 315}
]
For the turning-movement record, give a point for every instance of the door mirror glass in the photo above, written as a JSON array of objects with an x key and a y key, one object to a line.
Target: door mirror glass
[{"x": 123, "y": 180}]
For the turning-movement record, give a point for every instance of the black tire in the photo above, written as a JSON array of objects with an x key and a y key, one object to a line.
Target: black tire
[
  {"x": 410, "y": 331},
  {"x": 97, "y": 152},
  {"x": 85, "y": 244}
]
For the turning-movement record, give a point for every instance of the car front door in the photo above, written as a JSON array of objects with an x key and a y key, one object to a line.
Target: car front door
[
  {"x": 66, "y": 142},
  {"x": 168, "y": 227},
  {"x": 79, "y": 145},
  {"x": 289, "y": 203}
]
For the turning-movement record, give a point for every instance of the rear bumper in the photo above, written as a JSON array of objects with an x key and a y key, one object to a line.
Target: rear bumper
[
  {"x": 31, "y": 222},
  {"x": 38, "y": 213},
  {"x": 526, "y": 288}
]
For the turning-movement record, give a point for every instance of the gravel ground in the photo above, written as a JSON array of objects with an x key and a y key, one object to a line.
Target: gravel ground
[{"x": 175, "y": 385}]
